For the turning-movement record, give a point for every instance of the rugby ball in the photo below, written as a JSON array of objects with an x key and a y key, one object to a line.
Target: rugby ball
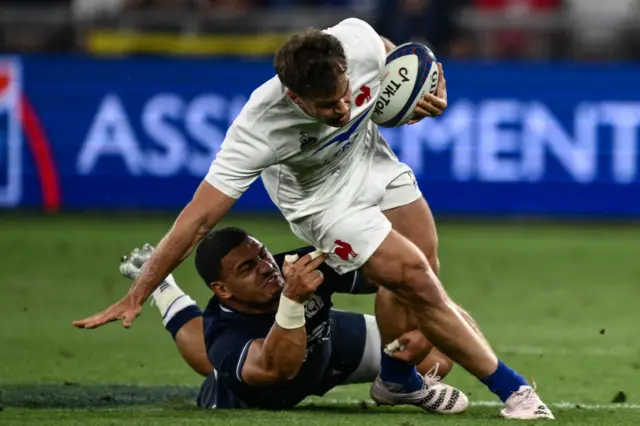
[{"x": 411, "y": 71}]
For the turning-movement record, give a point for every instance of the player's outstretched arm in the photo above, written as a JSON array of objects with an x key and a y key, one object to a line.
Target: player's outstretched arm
[
  {"x": 206, "y": 208},
  {"x": 279, "y": 356}
]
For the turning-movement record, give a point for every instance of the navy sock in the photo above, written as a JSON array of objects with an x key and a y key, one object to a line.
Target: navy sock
[
  {"x": 504, "y": 381},
  {"x": 401, "y": 373},
  {"x": 181, "y": 318}
]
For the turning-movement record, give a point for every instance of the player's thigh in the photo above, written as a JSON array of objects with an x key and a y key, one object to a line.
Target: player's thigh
[
  {"x": 400, "y": 266},
  {"x": 415, "y": 221}
]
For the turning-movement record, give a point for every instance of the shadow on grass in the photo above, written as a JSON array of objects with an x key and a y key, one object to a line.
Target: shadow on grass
[
  {"x": 72, "y": 395},
  {"x": 82, "y": 396}
]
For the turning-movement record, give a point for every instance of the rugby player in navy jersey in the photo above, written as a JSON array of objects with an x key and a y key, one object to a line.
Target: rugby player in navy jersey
[{"x": 264, "y": 359}]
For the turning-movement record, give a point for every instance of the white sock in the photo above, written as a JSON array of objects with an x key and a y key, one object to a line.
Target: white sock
[{"x": 170, "y": 299}]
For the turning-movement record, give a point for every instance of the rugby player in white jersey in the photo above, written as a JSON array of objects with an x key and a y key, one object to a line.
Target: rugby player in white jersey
[{"x": 308, "y": 133}]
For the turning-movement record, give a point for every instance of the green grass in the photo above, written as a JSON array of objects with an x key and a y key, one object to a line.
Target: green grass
[{"x": 559, "y": 302}]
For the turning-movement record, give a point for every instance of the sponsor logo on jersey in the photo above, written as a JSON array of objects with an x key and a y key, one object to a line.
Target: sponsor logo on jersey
[
  {"x": 306, "y": 140},
  {"x": 344, "y": 250},
  {"x": 313, "y": 306},
  {"x": 363, "y": 96}
]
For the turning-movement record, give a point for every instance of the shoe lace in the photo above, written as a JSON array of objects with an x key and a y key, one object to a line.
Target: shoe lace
[{"x": 432, "y": 375}]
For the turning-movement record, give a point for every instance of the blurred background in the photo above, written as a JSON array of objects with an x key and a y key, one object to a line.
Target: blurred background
[
  {"x": 480, "y": 29},
  {"x": 106, "y": 101},
  {"x": 111, "y": 112}
]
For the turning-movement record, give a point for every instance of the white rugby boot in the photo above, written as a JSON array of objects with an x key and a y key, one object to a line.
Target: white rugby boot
[
  {"x": 525, "y": 404},
  {"x": 168, "y": 297},
  {"x": 434, "y": 397},
  {"x": 132, "y": 266}
]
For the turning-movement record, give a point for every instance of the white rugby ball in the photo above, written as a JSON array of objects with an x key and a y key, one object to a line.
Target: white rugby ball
[{"x": 411, "y": 72}]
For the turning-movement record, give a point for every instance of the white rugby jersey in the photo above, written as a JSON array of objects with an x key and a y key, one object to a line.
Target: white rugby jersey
[{"x": 303, "y": 162}]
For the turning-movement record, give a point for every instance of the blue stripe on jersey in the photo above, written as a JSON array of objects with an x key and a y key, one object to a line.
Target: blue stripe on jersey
[{"x": 345, "y": 136}]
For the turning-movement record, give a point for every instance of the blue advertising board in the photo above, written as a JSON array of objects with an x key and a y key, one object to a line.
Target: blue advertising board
[{"x": 538, "y": 139}]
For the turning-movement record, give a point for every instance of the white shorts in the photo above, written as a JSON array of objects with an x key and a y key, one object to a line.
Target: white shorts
[{"x": 351, "y": 230}]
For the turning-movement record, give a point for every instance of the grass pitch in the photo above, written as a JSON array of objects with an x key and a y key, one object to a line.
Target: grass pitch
[{"x": 558, "y": 302}]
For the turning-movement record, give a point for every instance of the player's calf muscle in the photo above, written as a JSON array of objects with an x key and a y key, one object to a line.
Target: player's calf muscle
[
  {"x": 190, "y": 343},
  {"x": 394, "y": 317}
]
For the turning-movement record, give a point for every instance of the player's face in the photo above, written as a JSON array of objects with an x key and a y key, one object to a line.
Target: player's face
[
  {"x": 251, "y": 275},
  {"x": 335, "y": 110}
]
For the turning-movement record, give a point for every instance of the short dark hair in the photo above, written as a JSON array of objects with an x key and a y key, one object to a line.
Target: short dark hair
[
  {"x": 213, "y": 248},
  {"x": 310, "y": 63}
]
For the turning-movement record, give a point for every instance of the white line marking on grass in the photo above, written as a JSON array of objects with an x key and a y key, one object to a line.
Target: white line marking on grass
[
  {"x": 550, "y": 351},
  {"x": 568, "y": 405},
  {"x": 560, "y": 405}
]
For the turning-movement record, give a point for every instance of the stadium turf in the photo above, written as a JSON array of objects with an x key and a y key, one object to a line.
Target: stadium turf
[{"x": 558, "y": 302}]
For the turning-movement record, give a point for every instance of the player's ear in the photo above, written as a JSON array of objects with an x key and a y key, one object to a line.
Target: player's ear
[{"x": 220, "y": 290}]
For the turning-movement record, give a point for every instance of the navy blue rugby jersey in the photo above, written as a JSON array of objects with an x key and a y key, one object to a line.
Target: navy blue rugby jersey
[{"x": 228, "y": 334}]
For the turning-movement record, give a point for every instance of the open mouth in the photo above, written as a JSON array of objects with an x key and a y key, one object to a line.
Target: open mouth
[
  {"x": 271, "y": 279},
  {"x": 343, "y": 120}
]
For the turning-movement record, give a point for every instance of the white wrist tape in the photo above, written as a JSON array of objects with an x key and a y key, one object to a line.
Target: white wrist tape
[
  {"x": 290, "y": 314},
  {"x": 393, "y": 347}
]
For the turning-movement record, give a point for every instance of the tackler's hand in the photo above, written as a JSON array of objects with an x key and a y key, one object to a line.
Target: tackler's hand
[
  {"x": 412, "y": 347},
  {"x": 301, "y": 278},
  {"x": 432, "y": 105}
]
